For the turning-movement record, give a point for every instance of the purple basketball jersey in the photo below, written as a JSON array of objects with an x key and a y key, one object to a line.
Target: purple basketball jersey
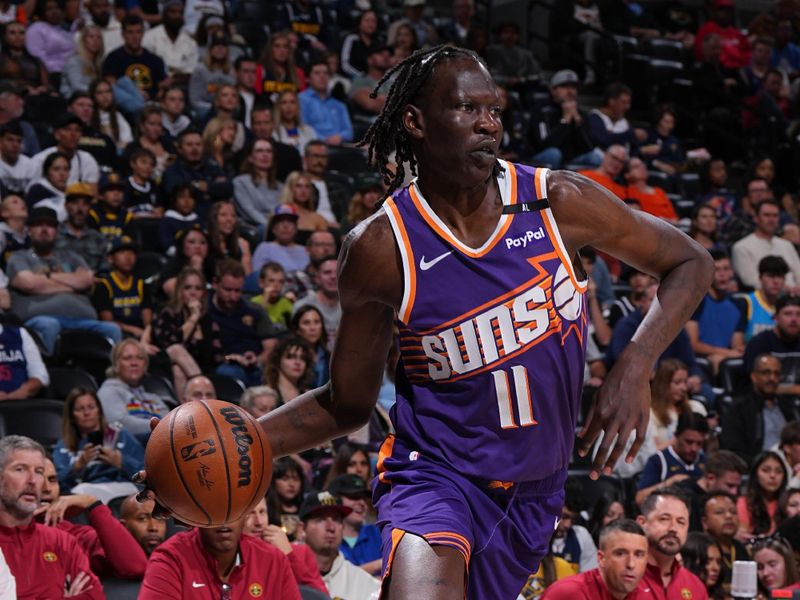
[{"x": 491, "y": 339}]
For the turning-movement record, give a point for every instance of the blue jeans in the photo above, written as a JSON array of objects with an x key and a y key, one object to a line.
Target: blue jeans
[
  {"x": 48, "y": 327},
  {"x": 249, "y": 377},
  {"x": 552, "y": 156},
  {"x": 127, "y": 96}
]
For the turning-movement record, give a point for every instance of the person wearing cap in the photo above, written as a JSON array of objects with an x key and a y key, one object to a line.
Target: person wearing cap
[
  {"x": 559, "y": 130},
  {"x": 735, "y": 47},
  {"x": 50, "y": 286},
  {"x": 94, "y": 141},
  {"x": 108, "y": 216},
  {"x": 211, "y": 73},
  {"x": 322, "y": 524},
  {"x": 169, "y": 41},
  {"x": 75, "y": 234},
  {"x": 145, "y": 69},
  {"x": 361, "y": 542},
  {"x": 67, "y": 133},
  {"x": 282, "y": 228},
  {"x": 12, "y": 106},
  {"x": 378, "y": 62},
  {"x": 17, "y": 171}
]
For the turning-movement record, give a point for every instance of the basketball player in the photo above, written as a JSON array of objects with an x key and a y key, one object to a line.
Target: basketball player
[{"x": 477, "y": 260}]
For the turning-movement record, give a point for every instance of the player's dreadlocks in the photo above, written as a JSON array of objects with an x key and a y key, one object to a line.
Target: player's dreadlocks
[{"x": 387, "y": 133}]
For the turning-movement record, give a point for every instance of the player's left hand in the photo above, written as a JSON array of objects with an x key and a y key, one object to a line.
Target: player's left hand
[{"x": 621, "y": 405}]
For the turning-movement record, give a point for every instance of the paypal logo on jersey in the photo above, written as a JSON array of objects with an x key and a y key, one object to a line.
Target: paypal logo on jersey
[{"x": 524, "y": 240}]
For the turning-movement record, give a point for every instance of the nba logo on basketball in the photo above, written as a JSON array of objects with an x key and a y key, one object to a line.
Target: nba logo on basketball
[{"x": 193, "y": 451}]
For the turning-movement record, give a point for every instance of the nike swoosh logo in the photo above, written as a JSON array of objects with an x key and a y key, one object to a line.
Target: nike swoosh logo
[
  {"x": 198, "y": 585},
  {"x": 424, "y": 266},
  {"x": 558, "y": 521}
]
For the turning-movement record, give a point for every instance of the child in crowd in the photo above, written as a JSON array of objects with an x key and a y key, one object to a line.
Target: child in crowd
[
  {"x": 272, "y": 279},
  {"x": 181, "y": 216},
  {"x": 141, "y": 195},
  {"x": 109, "y": 217}
]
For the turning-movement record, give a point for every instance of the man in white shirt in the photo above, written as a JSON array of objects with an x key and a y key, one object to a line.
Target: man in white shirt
[
  {"x": 175, "y": 47},
  {"x": 67, "y": 132},
  {"x": 16, "y": 169}
]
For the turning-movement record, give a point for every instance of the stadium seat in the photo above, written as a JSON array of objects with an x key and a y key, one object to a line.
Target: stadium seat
[
  {"x": 145, "y": 232},
  {"x": 662, "y": 72},
  {"x": 160, "y": 387},
  {"x": 664, "y": 49},
  {"x": 690, "y": 184},
  {"x": 85, "y": 349},
  {"x": 347, "y": 160},
  {"x": 705, "y": 366},
  {"x": 228, "y": 388},
  {"x": 662, "y": 180},
  {"x": 732, "y": 375},
  {"x": 149, "y": 264},
  {"x": 34, "y": 418},
  {"x": 64, "y": 379},
  {"x": 255, "y": 33}
]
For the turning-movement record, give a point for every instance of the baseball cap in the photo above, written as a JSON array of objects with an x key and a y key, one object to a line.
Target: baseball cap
[
  {"x": 110, "y": 181},
  {"x": 79, "y": 189},
  {"x": 124, "y": 242},
  {"x": 42, "y": 214},
  {"x": 322, "y": 501},
  {"x": 564, "y": 77},
  {"x": 349, "y": 486},
  {"x": 66, "y": 119},
  {"x": 283, "y": 211}
]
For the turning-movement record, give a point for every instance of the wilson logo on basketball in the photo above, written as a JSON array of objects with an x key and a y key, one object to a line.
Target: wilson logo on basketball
[
  {"x": 197, "y": 450},
  {"x": 243, "y": 441}
]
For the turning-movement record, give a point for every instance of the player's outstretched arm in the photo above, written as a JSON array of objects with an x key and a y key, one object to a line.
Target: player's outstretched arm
[
  {"x": 370, "y": 284},
  {"x": 589, "y": 215}
]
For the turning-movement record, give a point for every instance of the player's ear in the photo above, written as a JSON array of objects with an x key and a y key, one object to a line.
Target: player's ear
[{"x": 413, "y": 121}]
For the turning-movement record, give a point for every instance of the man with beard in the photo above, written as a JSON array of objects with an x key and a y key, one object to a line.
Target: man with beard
[
  {"x": 665, "y": 520},
  {"x": 287, "y": 158},
  {"x": 723, "y": 473},
  {"x": 379, "y": 60},
  {"x": 332, "y": 197},
  {"x": 75, "y": 235},
  {"x": 138, "y": 519},
  {"x": 622, "y": 559},
  {"x": 100, "y": 16},
  {"x": 50, "y": 286},
  {"x": 82, "y": 166},
  {"x": 782, "y": 341},
  {"x": 721, "y": 521},
  {"x": 172, "y": 44},
  {"x": 192, "y": 167},
  {"x": 16, "y": 169},
  {"x": 46, "y": 561}
]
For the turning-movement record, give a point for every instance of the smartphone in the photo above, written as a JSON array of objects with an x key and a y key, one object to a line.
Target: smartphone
[{"x": 96, "y": 438}]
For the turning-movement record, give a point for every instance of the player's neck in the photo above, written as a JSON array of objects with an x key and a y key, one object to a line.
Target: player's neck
[{"x": 455, "y": 199}]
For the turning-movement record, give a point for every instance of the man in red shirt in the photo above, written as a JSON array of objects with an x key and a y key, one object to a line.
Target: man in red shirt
[
  {"x": 665, "y": 520},
  {"x": 112, "y": 550},
  {"x": 615, "y": 159},
  {"x": 735, "y": 45},
  {"x": 218, "y": 562},
  {"x": 621, "y": 559},
  {"x": 138, "y": 519},
  {"x": 46, "y": 561}
]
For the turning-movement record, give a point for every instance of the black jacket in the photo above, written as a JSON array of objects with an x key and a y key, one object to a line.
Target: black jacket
[{"x": 547, "y": 131}]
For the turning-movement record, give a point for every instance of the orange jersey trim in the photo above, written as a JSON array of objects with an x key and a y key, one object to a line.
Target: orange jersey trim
[{"x": 404, "y": 244}]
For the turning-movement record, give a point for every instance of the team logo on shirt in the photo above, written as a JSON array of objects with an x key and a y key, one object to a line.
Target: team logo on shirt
[
  {"x": 255, "y": 590},
  {"x": 248, "y": 320},
  {"x": 50, "y": 556},
  {"x": 686, "y": 594}
]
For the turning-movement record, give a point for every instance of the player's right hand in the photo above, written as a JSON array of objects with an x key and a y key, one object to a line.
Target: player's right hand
[{"x": 140, "y": 478}]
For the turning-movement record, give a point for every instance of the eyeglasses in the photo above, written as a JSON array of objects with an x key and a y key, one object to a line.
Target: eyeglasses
[
  {"x": 758, "y": 542},
  {"x": 227, "y": 592}
]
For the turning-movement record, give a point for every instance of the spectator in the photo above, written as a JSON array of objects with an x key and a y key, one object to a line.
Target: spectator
[
  {"x": 721, "y": 522},
  {"x": 776, "y": 565},
  {"x": 257, "y": 190},
  {"x": 272, "y": 280},
  {"x": 122, "y": 395},
  {"x": 245, "y": 329},
  {"x": 291, "y": 128},
  {"x": 714, "y": 179},
  {"x": 702, "y": 556},
  {"x": 283, "y": 250},
  {"x": 174, "y": 46},
  {"x": 368, "y": 191},
  {"x": 100, "y": 16},
  {"x": 328, "y": 116},
  {"x": 67, "y": 132},
  {"x": 21, "y": 482},
  {"x": 259, "y": 400},
  {"x": 608, "y": 508},
  {"x": 141, "y": 196},
  {"x": 194, "y": 168},
  {"x": 332, "y": 200},
  {"x": 735, "y": 47},
  {"x": 298, "y": 193},
  {"x": 716, "y": 329},
  {"x": 350, "y": 459},
  {"x": 178, "y": 220},
  {"x": 363, "y": 104},
  {"x": 783, "y": 341},
  {"x": 665, "y": 520},
  {"x": 150, "y": 136},
  {"x": 227, "y": 104},
  {"x": 191, "y": 250},
  {"x": 17, "y": 171},
  {"x": 240, "y": 565},
  {"x": 245, "y": 76},
  {"x": 414, "y": 17},
  {"x": 49, "y": 285},
  {"x": 622, "y": 559},
  {"x": 137, "y": 517},
  {"x": 300, "y": 282},
  {"x": 308, "y": 324},
  {"x": 571, "y": 541},
  {"x": 613, "y": 163},
  {"x": 764, "y": 167},
  {"x": 356, "y": 45},
  {"x": 92, "y": 140},
  {"x": 662, "y": 149},
  {"x": 669, "y": 400},
  {"x": 173, "y": 104},
  {"x": 758, "y": 508},
  {"x": 742, "y": 222},
  {"x": 785, "y": 53},
  {"x": 511, "y": 65},
  {"x": 198, "y": 387},
  {"x": 723, "y": 472},
  {"x": 276, "y": 72},
  {"x": 109, "y": 216},
  {"x": 703, "y": 229},
  {"x": 13, "y": 231},
  {"x": 789, "y": 503},
  {"x": 22, "y": 372},
  {"x": 48, "y": 37},
  {"x": 322, "y": 517},
  {"x": 212, "y": 72},
  {"x": 210, "y": 11},
  {"x": 223, "y": 233},
  {"x": 307, "y": 22},
  {"x": 287, "y": 157},
  {"x": 326, "y": 298},
  {"x": 652, "y": 199},
  {"x": 75, "y": 235},
  {"x": 789, "y": 450},
  {"x": 406, "y": 42},
  {"x": 83, "y": 67},
  {"x": 625, "y": 305},
  {"x": 608, "y": 125},
  {"x": 23, "y": 70},
  {"x": 145, "y": 69},
  {"x": 49, "y": 190},
  {"x": 289, "y": 369},
  {"x": 106, "y": 119},
  {"x": 682, "y": 459},
  {"x": 285, "y": 495},
  {"x": 361, "y": 543}
]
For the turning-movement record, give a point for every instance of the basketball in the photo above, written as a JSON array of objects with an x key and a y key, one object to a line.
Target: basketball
[
  {"x": 566, "y": 298},
  {"x": 208, "y": 462}
]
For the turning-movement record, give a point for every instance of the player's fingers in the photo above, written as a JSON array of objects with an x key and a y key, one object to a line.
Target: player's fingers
[
  {"x": 609, "y": 438},
  {"x": 641, "y": 433},
  {"x": 622, "y": 440},
  {"x": 153, "y": 422},
  {"x": 594, "y": 425},
  {"x": 139, "y": 478}
]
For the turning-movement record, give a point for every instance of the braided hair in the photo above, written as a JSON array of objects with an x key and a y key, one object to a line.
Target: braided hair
[{"x": 387, "y": 134}]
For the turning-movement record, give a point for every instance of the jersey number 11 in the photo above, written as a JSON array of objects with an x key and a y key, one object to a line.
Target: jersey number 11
[{"x": 523, "y": 395}]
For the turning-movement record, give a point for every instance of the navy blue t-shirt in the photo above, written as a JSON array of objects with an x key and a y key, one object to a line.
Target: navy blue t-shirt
[
  {"x": 146, "y": 70},
  {"x": 719, "y": 319}
]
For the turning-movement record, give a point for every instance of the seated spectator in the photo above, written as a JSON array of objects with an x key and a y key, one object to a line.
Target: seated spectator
[
  {"x": 122, "y": 396},
  {"x": 775, "y": 564},
  {"x": 121, "y": 296},
  {"x": 145, "y": 69},
  {"x": 570, "y": 541},
  {"x": 48, "y": 38},
  {"x": 245, "y": 329},
  {"x": 67, "y": 133},
  {"x": 669, "y": 400},
  {"x": 715, "y": 193},
  {"x": 298, "y": 193},
  {"x": 272, "y": 280},
  {"x": 300, "y": 282},
  {"x": 758, "y": 507},
  {"x": 218, "y": 143},
  {"x": 785, "y": 53},
  {"x": 85, "y": 66},
  {"x": 625, "y": 305},
  {"x": 173, "y": 105},
  {"x": 150, "y": 136},
  {"x": 760, "y": 304},
  {"x": 291, "y": 128},
  {"x": 244, "y": 69},
  {"x": 191, "y": 250},
  {"x": 322, "y": 518},
  {"x": 287, "y": 157},
  {"x": 512, "y": 65},
  {"x": 783, "y": 341},
  {"x": 378, "y": 62},
  {"x": 198, "y": 387},
  {"x": 608, "y": 125},
  {"x": 613, "y": 577},
  {"x": 406, "y": 42},
  {"x": 257, "y": 190},
  {"x": 682, "y": 459},
  {"x": 307, "y": 323},
  {"x": 703, "y": 229},
  {"x": 789, "y": 503},
  {"x": 283, "y": 249},
  {"x": 22, "y": 372},
  {"x": 106, "y": 118},
  {"x": 368, "y": 191},
  {"x": 716, "y": 329},
  {"x": 350, "y": 459},
  {"x": 13, "y": 229},
  {"x": 109, "y": 217},
  {"x": 276, "y": 72},
  {"x": 361, "y": 543},
  {"x": 227, "y": 105},
  {"x": 224, "y": 238},
  {"x": 736, "y": 47},
  {"x": 789, "y": 450},
  {"x": 702, "y": 556},
  {"x": 179, "y": 219},
  {"x": 742, "y": 222},
  {"x": 332, "y": 199},
  {"x": 748, "y": 251},
  {"x": 49, "y": 190},
  {"x": 613, "y": 163},
  {"x": 662, "y": 149},
  {"x": 172, "y": 44},
  {"x": 289, "y": 369},
  {"x": 23, "y": 70},
  {"x": 723, "y": 473},
  {"x": 75, "y": 235},
  {"x": 764, "y": 167},
  {"x": 212, "y": 72},
  {"x": 17, "y": 171},
  {"x": 356, "y": 45},
  {"x": 242, "y": 564},
  {"x": 185, "y": 331},
  {"x": 326, "y": 298},
  {"x": 721, "y": 522},
  {"x": 212, "y": 14},
  {"x": 112, "y": 551},
  {"x": 328, "y": 116},
  {"x": 49, "y": 286},
  {"x": 301, "y": 558},
  {"x": 608, "y": 508},
  {"x": 22, "y": 464},
  {"x": 141, "y": 196},
  {"x": 754, "y": 421},
  {"x": 259, "y": 400},
  {"x": 285, "y": 495},
  {"x": 137, "y": 517},
  {"x": 652, "y": 199},
  {"x": 414, "y": 17},
  {"x": 92, "y": 140},
  {"x": 100, "y": 16},
  {"x": 192, "y": 167}
]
